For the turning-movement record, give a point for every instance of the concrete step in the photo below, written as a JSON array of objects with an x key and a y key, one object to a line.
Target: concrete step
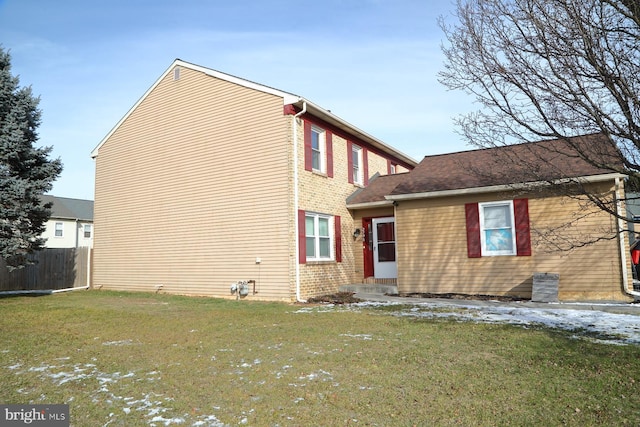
[{"x": 370, "y": 289}]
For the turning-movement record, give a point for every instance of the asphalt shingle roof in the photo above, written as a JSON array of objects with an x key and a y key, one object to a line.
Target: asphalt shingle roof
[
  {"x": 513, "y": 164},
  {"x": 66, "y": 208},
  {"x": 542, "y": 161}
]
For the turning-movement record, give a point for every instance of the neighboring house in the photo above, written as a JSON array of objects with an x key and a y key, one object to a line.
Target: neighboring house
[
  {"x": 210, "y": 179},
  {"x": 70, "y": 224},
  {"x": 483, "y": 221}
]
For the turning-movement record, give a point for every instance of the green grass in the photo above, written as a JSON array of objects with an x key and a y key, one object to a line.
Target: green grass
[{"x": 123, "y": 359}]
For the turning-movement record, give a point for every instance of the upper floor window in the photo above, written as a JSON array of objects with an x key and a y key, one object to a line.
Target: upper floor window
[
  {"x": 59, "y": 229},
  {"x": 356, "y": 161},
  {"x": 87, "y": 231},
  {"x": 392, "y": 169},
  {"x": 318, "y": 147}
]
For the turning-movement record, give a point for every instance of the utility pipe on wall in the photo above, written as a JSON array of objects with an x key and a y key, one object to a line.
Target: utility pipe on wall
[{"x": 295, "y": 197}]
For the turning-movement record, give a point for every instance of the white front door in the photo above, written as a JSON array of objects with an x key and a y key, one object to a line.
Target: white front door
[{"x": 384, "y": 248}]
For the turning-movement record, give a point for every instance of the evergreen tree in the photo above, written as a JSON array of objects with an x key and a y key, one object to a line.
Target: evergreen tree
[{"x": 26, "y": 172}]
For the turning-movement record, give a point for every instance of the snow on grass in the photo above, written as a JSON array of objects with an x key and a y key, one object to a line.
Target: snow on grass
[
  {"x": 153, "y": 406},
  {"x": 610, "y": 328},
  {"x": 593, "y": 322}
]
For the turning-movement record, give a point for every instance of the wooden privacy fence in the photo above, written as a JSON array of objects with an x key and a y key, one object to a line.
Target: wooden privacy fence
[{"x": 54, "y": 268}]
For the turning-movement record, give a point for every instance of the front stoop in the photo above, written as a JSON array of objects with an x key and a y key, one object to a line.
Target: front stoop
[{"x": 364, "y": 288}]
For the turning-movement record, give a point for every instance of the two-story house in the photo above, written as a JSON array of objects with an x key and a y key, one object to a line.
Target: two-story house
[{"x": 210, "y": 179}]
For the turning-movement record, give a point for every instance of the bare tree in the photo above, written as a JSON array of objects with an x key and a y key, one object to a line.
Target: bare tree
[{"x": 550, "y": 69}]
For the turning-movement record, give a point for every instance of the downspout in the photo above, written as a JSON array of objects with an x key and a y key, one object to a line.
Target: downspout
[
  {"x": 77, "y": 232},
  {"x": 295, "y": 197},
  {"x": 623, "y": 251}
]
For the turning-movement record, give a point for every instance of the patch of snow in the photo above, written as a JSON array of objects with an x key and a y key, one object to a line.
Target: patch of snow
[
  {"x": 121, "y": 342},
  {"x": 611, "y": 328},
  {"x": 167, "y": 421},
  {"x": 365, "y": 337}
]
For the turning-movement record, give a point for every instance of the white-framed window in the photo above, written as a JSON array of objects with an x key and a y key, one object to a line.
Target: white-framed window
[
  {"x": 319, "y": 236},
  {"x": 356, "y": 160},
  {"x": 392, "y": 169},
  {"x": 87, "y": 231},
  {"x": 497, "y": 231},
  {"x": 59, "y": 229},
  {"x": 318, "y": 149}
]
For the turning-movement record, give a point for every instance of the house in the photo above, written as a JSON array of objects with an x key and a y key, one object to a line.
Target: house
[
  {"x": 487, "y": 221},
  {"x": 70, "y": 224},
  {"x": 210, "y": 179}
]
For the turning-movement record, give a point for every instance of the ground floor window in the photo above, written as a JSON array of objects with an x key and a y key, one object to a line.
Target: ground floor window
[{"x": 319, "y": 237}]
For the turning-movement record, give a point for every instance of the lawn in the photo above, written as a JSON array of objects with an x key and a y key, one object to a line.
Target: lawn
[{"x": 128, "y": 359}]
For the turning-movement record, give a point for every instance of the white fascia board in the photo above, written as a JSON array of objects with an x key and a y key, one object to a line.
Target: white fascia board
[
  {"x": 287, "y": 98},
  {"x": 331, "y": 118},
  {"x": 498, "y": 188},
  {"x": 367, "y": 205}
]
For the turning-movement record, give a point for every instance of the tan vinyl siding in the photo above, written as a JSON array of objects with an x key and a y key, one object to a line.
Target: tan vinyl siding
[
  {"x": 192, "y": 188},
  {"x": 432, "y": 252}
]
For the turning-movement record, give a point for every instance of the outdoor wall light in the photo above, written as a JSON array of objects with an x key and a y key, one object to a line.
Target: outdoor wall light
[{"x": 356, "y": 233}]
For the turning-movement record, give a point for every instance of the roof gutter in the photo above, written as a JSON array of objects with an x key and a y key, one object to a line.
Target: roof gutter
[
  {"x": 296, "y": 198},
  {"x": 341, "y": 124},
  {"x": 498, "y": 188},
  {"x": 378, "y": 204}
]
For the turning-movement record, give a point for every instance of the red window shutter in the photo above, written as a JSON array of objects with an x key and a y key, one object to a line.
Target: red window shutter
[
  {"x": 365, "y": 167},
  {"x": 302, "y": 238},
  {"x": 329, "y": 146},
  {"x": 350, "y": 161},
  {"x": 523, "y": 233},
  {"x": 474, "y": 246},
  {"x": 308, "y": 152},
  {"x": 338, "y": 238}
]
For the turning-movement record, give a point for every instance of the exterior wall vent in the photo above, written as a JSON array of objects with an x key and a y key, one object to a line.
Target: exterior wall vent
[{"x": 176, "y": 73}]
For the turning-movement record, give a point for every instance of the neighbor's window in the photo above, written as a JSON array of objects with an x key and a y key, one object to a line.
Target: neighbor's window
[
  {"x": 318, "y": 147},
  {"x": 497, "y": 234},
  {"x": 392, "y": 169},
  {"x": 87, "y": 231},
  {"x": 59, "y": 229},
  {"x": 319, "y": 238},
  {"x": 356, "y": 158}
]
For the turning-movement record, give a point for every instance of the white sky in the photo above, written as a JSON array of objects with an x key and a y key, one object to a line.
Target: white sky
[{"x": 371, "y": 62}]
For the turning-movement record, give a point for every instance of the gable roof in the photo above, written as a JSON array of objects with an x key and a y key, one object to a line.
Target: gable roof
[
  {"x": 66, "y": 208},
  {"x": 504, "y": 167},
  {"x": 287, "y": 99}
]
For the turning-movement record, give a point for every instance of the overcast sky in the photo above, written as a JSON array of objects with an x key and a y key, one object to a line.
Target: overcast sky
[{"x": 371, "y": 62}]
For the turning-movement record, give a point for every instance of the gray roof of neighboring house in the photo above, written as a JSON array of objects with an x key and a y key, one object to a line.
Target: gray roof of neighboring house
[{"x": 66, "y": 208}]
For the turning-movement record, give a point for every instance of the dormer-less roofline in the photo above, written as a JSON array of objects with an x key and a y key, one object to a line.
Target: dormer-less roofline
[
  {"x": 329, "y": 117},
  {"x": 287, "y": 99},
  {"x": 504, "y": 187}
]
